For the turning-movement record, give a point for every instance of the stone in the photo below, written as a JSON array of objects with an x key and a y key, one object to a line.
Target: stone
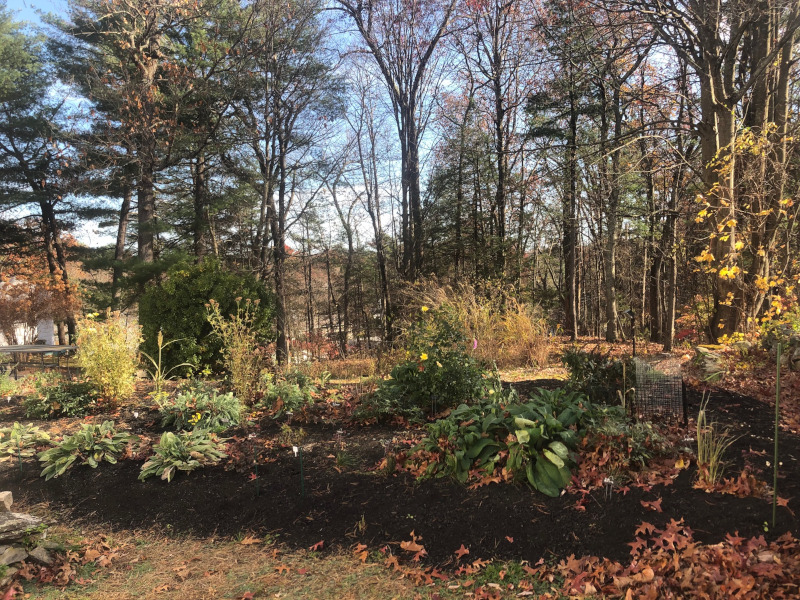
[
  {"x": 13, "y": 555},
  {"x": 8, "y": 578},
  {"x": 51, "y": 545},
  {"x": 41, "y": 556},
  {"x": 794, "y": 361},
  {"x": 14, "y": 526},
  {"x": 6, "y": 500}
]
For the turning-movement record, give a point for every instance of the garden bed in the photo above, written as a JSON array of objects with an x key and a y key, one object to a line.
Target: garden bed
[{"x": 349, "y": 501}]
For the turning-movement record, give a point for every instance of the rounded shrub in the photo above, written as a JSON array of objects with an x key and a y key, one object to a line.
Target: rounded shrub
[{"x": 177, "y": 307}]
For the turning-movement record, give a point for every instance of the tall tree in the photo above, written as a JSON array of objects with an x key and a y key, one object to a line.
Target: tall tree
[
  {"x": 36, "y": 163},
  {"x": 401, "y": 36},
  {"x": 739, "y": 53}
]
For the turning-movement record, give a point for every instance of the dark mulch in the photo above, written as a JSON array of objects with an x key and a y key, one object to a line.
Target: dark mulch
[{"x": 361, "y": 506}]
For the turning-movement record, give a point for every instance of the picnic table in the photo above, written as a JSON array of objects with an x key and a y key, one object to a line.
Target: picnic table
[{"x": 29, "y": 351}]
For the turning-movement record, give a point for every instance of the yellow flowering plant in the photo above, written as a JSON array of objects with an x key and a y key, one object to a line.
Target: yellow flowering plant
[
  {"x": 108, "y": 353},
  {"x": 438, "y": 371}
]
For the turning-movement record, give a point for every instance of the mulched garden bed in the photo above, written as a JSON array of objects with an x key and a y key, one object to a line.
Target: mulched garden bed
[{"x": 351, "y": 502}]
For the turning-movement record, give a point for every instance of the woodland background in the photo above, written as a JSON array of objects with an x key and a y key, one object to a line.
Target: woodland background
[{"x": 584, "y": 157}]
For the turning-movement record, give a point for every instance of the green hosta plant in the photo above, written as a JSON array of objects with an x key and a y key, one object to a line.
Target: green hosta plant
[
  {"x": 184, "y": 451},
  {"x": 91, "y": 445},
  {"x": 533, "y": 442},
  {"x": 20, "y": 441},
  {"x": 200, "y": 407}
]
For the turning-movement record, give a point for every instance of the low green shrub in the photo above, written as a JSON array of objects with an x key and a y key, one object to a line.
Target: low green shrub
[
  {"x": 532, "y": 442},
  {"x": 603, "y": 379},
  {"x": 92, "y": 444},
  {"x": 200, "y": 407},
  {"x": 184, "y": 451},
  {"x": 438, "y": 372},
  {"x": 21, "y": 441},
  {"x": 55, "y": 397},
  {"x": 290, "y": 394}
]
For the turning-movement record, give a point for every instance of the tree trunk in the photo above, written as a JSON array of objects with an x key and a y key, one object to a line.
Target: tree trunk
[{"x": 119, "y": 247}]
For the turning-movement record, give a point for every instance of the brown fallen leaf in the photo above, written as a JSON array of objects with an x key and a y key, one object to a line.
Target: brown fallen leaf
[
  {"x": 282, "y": 569},
  {"x": 412, "y": 546},
  {"x": 249, "y": 541},
  {"x": 462, "y": 551},
  {"x": 655, "y": 505}
]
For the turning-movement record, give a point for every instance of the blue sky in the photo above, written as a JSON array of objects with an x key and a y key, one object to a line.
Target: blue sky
[{"x": 26, "y": 10}]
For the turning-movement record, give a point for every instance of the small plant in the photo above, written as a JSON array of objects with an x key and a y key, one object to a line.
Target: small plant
[
  {"x": 8, "y": 386},
  {"x": 159, "y": 373},
  {"x": 345, "y": 460},
  {"x": 108, "y": 354},
  {"x": 243, "y": 361},
  {"x": 711, "y": 447},
  {"x": 184, "y": 451},
  {"x": 287, "y": 395},
  {"x": 291, "y": 437},
  {"x": 21, "y": 441},
  {"x": 55, "y": 397},
  {"x": 200, "y": 407},
  {"x": 92, "y": 444}
]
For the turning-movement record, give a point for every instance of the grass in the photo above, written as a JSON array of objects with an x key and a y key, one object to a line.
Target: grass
[{"x": 155, "y": 566}]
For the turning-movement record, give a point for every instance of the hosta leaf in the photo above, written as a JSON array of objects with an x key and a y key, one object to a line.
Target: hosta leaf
[{"x": 553, "y": 458}]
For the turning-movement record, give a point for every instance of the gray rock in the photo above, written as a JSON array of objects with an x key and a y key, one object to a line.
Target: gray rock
[
  {"x": 13, "y": 555},
  {"x": 6, "y": 500},
  {"x": 14, "y": 526},
  {"x": 7, "y": 579},
  {"x": 42, "y": 556},
  {"x": 51, "y": 545}
]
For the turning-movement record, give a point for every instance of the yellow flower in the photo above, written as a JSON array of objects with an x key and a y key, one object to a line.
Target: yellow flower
[
  {"x": 424, "y": 309},
  {"x": 438, "y": 364},
  {"x": 423, "y": 356}
]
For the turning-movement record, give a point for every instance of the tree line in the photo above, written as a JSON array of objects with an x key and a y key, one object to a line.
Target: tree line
[{"x": 594, "y": 156}]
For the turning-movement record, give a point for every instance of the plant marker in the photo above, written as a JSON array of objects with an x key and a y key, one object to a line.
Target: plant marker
[
  {"x": 775, "y": 457},
  {"x": 299, "y": 451}
]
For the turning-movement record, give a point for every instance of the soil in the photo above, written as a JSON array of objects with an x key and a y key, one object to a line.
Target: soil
[{"x": 352, "y": 502}]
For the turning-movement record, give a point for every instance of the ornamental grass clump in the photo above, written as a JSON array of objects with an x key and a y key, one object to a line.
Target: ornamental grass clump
[
  {"x": 711, "y": 447},
  {"x": 184, "y": 451},
  {"x": 108, "y": 353},
  {"x": 91, "y": 445}
]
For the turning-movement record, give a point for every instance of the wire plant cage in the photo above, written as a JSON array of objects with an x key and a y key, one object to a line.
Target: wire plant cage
[{"x": 660, "y": 390}]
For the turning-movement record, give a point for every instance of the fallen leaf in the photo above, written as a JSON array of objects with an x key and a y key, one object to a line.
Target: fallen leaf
[
  {"x": 302, "y": 571},
  {"x": 282, "y": 569},
  {"x": 462, "y": 551},
  {"x": 655, "y": 505},
  {"x": 249, "y": 541},
  {"x": 412, "y": 546},
  {"x": 317, "y": 546},
  {"x": 509, "y": 539}
]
